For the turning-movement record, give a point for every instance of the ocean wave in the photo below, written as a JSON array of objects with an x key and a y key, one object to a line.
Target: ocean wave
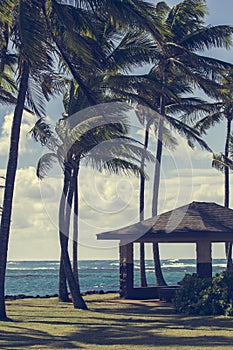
[
  {"x": 13, "y": 262},
  {"x": 29, "y": 275},
  {"x": 178, "y": 265},
  {"x": 219, "y": 265},
  {"x": 30, "y": 268}
]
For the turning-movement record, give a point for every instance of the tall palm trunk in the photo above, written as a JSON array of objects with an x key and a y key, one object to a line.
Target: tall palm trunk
[
  {"x": 228, "y": 245},
  {"x": 75, "y": 232},
  {"x": 74, "y": 189},
  {"x": 64, "y": 218},
  {"x": 142, "y": 214},
  {"x": 63, "y": 291},
  {"x": 75, "y": 228},
  {"x": 63, "y": 294},
  {"x": 157, "y": 265},
  {"x": 9, "y": 183}
]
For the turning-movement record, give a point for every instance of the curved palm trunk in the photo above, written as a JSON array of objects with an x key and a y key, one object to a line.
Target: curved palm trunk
[
  {"x": 75, "y": 229},
  {"x": 9, "y": 183},
  {"x": 75, "y": 233},
  {"x": 63, "y": 294},
  {"x": 228, "y": 245},
  {"x": 141, "y": 214},
  {"x": 160, "y": 281},
  {"x": 64, "y": 220},
  {"x": 82, "y": 304}
]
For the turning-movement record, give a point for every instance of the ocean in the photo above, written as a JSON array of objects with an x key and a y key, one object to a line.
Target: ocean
[{"x": 41, "y": 277}]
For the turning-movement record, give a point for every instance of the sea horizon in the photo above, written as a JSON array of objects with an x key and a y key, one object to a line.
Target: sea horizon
[{"x": 40, "y": 277}]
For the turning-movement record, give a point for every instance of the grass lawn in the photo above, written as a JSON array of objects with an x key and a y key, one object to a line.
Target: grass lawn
[{"x": 110, "y": 325}]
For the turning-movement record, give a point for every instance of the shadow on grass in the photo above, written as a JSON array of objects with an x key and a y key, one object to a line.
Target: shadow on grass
[
  {"x": 134, "y": 336},
  {"x": 34, "y": 338},
  {"x": 107, "y": 324}
]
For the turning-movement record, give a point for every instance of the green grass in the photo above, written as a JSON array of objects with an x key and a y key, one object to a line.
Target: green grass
[{"x": 48, "y": 324}]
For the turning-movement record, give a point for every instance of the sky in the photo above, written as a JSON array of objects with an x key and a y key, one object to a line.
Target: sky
[{"x": 108, "y": 202}]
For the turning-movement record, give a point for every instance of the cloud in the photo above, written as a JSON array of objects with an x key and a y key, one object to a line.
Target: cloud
[
  {"x": 106, "y": 203},
  {"x": 27, "y": 123}
]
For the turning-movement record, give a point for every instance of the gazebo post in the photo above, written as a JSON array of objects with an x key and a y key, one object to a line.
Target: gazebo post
[
  {"x": 126, "y": 270},
  {"x": 204, "y": 259}
]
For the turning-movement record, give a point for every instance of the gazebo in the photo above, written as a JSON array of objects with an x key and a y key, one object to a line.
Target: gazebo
[{"x": 202, "y": 223}]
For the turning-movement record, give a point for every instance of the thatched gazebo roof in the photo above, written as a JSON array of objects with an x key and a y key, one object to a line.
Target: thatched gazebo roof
[{"x": 184, "y": 224}]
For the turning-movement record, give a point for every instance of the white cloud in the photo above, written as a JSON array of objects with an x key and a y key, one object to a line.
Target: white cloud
[
  {"x": 27, "y": 123},
  {"x": 106, "y": 203}
]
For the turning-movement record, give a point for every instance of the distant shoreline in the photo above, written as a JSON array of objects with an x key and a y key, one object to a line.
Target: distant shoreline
[{"x": 47, "y": 296}]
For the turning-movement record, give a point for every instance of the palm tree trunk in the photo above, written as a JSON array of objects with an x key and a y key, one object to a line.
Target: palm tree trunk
[
  {"x": 75, "y": 233},
  {"x": 75, "y": 228},
  {"x": 142, "y": 214},
  {"x": 64, "y": 220},
  {"x": 63, "y": 291},
  {"x": 157, "y": 265},
  {"x": 228, "y": 245},
  {"x": 160, "y": 281},
  {"x": 9, "y": 183},
  {"x": 63, "y": 294}
]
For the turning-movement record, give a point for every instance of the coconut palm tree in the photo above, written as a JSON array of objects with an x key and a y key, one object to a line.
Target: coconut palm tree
[
  {"x": 33, "y": 60},
  {"x": 221, "y": 110},
  {"x": 178, "y": 55},
  {"x": 132, "y": 49},
  {"x": 83, "y": 138}
]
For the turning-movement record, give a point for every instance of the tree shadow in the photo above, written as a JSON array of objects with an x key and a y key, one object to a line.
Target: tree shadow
[
  {"x": 119, "y": 324},
  {"x": 143, "y": 336},
  {"x": 30, "y": 337}
]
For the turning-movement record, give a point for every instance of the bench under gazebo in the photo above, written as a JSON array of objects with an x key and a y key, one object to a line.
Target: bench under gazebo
[{"x": 202, "y": 223}]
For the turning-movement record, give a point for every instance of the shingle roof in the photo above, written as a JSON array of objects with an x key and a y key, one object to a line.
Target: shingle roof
[{"x": 197, "y": 219}]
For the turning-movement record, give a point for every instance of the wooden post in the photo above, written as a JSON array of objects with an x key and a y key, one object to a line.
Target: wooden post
[
  {"x": 204, "y": 259},
  {"x": 126, "y": 270}
]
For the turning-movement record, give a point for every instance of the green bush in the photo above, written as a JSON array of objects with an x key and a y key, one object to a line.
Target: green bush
[{"x": 205, "y": 296}]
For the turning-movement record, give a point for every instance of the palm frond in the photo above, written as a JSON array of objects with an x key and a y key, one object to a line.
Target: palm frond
[
  {"x": 134, "y": 49},
  {"x": 208, "y": 121},
  {"x": 30, "y": 34},
  {"x": 208, "y": 37},
  {"x": 121, "y": 148},
  {"x": 43, "y": 133},
  {"x": 123, "y": 167},
  {"x": 191, "y": 134},
  {"x": 45, "y": 163},
  {"x": 220, "y": 162}
]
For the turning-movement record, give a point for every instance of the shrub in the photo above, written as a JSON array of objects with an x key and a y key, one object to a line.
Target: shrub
[{"x": 205, "y": 296}]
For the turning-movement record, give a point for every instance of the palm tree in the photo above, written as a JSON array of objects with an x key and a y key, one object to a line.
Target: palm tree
[
  {"x": 85, "y": 134},
  {"x": 33, "y": 60},
  {"x": 177, "y": 56},
  {"x": 132, "y": 49},
  {"x": 138, "y": 15},
  {"x": 222, "y": 109},
  {"x": 147, "y": 118},
  {"x": 185, "y": 22}
]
